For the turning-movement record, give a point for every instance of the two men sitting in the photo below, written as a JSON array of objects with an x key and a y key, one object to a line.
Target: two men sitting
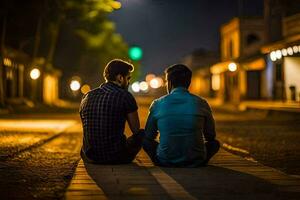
[{"x": 184, "y": 122}]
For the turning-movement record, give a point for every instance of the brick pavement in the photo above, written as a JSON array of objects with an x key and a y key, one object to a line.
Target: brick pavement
[{"x": 227, "y": 177}]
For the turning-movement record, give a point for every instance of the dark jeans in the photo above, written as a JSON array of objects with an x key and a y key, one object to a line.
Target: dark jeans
[
  {"x": 150, "y": 147},
  {"x": 127, "y": 155}
]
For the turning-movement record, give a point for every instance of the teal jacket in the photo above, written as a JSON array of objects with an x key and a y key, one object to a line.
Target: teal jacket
[{"x": 184, "y": 121}]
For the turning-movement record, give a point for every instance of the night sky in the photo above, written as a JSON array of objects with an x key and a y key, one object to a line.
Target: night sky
[{"x": 167, "y": 30}]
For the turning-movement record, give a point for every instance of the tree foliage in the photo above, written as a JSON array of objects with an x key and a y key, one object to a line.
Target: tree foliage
[{"x": 75, "y": 35}]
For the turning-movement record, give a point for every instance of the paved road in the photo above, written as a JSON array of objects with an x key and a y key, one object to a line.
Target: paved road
[
  {"x": 227, "y": 177},
  {"x": 39, "y": 153}
]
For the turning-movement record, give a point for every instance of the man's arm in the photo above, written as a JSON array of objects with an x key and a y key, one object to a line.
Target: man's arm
[
  {"x": 209, "y": 125},
  {"x": 133, "y": 122},
  {"x": 151, "y": 124}
]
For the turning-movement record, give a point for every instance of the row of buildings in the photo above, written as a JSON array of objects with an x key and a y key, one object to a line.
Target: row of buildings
[
  {"x": 259, "y": 58},
  {"x": 26, "y": 81}
]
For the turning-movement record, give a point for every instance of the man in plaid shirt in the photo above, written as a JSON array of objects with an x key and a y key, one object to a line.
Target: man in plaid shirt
[{"x": 104, "y": 112}]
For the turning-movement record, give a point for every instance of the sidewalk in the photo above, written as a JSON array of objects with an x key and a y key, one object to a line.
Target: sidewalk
[
  {"x": 271, "y": 105},
  {"x": 285, "y": 106},
  {"x": 227, "y": 177}
]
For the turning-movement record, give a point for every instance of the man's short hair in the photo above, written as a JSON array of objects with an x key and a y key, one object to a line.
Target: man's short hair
[
  {"x": 116, "y": 67},
  {"x": 179, "y": 75}
]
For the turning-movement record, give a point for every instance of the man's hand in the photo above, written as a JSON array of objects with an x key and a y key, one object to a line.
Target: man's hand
[{"x": 134, "y": 122}]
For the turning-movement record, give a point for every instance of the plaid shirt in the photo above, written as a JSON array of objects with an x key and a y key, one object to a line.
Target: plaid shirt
[{"x": 103, "y": 113}]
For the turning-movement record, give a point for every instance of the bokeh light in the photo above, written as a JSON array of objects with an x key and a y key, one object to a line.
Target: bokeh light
[
  {"x": 232, "y": 67},
  {"x": 85, "y": 89},
  {"x": 74, "y": 85},
  {"x": 35, "y": 73},
  {"x": 149, "y": 77},
  {"x": 156, "y": 82},
  {"x": 135, "y": 87},
  {"x": 144, "y": 86}
]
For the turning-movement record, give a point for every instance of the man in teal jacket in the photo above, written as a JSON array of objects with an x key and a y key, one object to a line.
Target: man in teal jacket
[{"x": 184, "y": 122}]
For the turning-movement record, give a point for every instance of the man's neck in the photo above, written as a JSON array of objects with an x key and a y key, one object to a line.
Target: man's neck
[{"x": 114, "y": 82}]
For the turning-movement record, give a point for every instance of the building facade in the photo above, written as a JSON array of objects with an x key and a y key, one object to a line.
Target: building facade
[
  {"x": 283, "y": 62},
  {"x": 25, "y": 81},
  {"x": 238, "y": 75}
]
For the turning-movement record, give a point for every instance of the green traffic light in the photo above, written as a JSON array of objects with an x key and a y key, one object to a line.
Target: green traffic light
[{"x": 135, "y": 53}]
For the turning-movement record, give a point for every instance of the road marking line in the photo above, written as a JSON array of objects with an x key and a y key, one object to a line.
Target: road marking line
[
  {"x": 174, "y": 189},
  {"x": 232, "y": 148}
]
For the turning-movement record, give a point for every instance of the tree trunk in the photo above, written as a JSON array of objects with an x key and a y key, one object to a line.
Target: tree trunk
[
  {"x": 54, "y": 37},
  {"x": 2, "y": 92}
]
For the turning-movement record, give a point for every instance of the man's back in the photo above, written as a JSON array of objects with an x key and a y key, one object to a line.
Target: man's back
[
  {"x": 181, "y": 119},
  {"x": 103, "y": 113}
]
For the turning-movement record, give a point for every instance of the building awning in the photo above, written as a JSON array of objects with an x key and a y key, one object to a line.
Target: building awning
[
  {"x": 286, "y": 42},
  {"x": 256, "y": 64}
]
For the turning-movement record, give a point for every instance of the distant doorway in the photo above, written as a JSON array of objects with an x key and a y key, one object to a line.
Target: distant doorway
[{"x": 253, "y": 85}]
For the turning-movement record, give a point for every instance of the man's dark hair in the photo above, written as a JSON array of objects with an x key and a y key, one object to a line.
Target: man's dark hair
[
  {"x": 179, "y": 75},
  {"x": 116, "y": 67}
]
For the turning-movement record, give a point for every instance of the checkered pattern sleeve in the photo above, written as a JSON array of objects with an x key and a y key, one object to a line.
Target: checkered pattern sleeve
[{"x": 130, "y": 104}]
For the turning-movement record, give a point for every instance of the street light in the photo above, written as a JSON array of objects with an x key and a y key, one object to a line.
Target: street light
[
  {"x": 156, "y": 82},
  {"x": 35, "y": 73},
  {"x": 135, "y": 87},
  {"x": 144, "y": 86},
  {"x": 75, "y": 85},
  {"x": 149, "y": 77},
  {"x": 85, "y": 89},
  {"x": 232, "y": 67}
]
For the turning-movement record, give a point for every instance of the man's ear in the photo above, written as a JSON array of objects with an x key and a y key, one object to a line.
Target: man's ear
[{"x": 119, "y": 78}]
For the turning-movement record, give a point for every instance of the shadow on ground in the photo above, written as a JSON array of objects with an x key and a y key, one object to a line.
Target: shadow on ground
[{"x": 136, "y": 182}]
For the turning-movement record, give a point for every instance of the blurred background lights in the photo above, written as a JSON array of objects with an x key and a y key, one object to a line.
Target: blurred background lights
[
  {"x": 290, "y": 51},
  {"x": 232, "y": 67},
  {"x": 156, "y": 82},
  {"x": 143, "y": 86},
  {"x": 278, "y": 54},
  {"x": 295, "y": 49},
  {"x": 135, "y": 87},
  {"x": 149, "y": 77},
  {"x": 135, "y": 53},
  {"x": 85, "y": 89},
  {"x": 273, "y": 56},
  {"x": 284, "y": 52},
  {"x": 75, "y": 85},
  {"x": 35, "y": 73}
]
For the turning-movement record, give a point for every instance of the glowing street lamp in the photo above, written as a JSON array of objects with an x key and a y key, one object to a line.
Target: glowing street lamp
[
  {"x": 35, "y": 73},
  {"x": 156, "y": 82},
  {"x": 149, "y": 77},
  {"x": 232, "y": 67},
  {"x": 85, "y": 89},
  {"x": 144, "y": 86},
  {"x": 75, "y": 85},
  {"x": 135, "y": 87}
]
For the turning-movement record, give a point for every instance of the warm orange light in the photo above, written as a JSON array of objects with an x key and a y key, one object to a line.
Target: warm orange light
[
  {"x": 34, "y": 125},
  {"x": 144, "y": 86},
  {"x": 85, "y": 89},
  {"x": 156, "y": 82},
  {"x": 35, "y": 73},
  {"x": 74, "y": 85},
  {"x": 216, "y": 82},
  {"x": 232, "y": 67},
  {"x": 116, "y": 5},
  {"x": 149, "y": 77}
]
